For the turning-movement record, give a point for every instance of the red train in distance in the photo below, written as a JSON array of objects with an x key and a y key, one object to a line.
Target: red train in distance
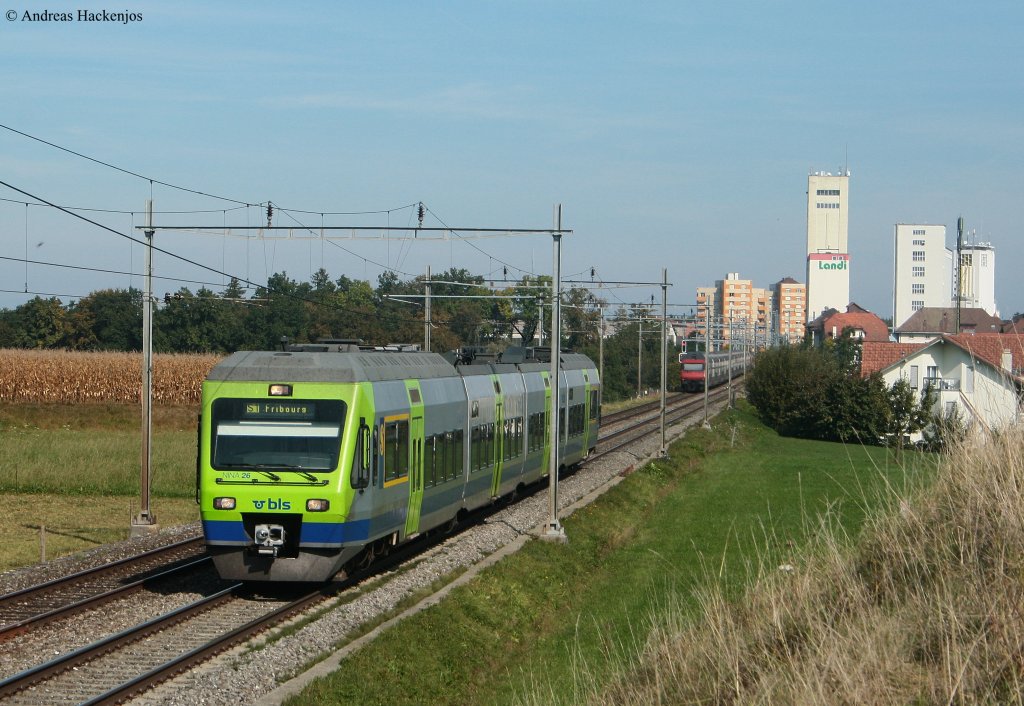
[{"x": 699, "y": 369}]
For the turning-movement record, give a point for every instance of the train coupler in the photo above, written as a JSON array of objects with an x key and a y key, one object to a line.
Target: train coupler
[{"x": 269, "y": 539}]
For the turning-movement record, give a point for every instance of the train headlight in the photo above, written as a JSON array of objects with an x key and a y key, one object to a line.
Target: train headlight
[
  {"x": 280, "y": 390},
  {"x": 317, "y": 505},
  {"x": 223, "y": 503}
]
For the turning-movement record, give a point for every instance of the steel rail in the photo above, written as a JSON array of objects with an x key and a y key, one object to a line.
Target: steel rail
[{"x": 36, "y": 621}]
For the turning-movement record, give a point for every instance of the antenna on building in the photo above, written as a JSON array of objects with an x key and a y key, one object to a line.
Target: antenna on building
[{"x": 959, "y": 269}]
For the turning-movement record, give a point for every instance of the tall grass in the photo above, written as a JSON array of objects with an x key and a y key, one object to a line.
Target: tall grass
[{"x": 925, "y": 607}]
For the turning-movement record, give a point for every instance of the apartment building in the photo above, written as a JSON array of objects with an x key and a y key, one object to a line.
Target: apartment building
[
  {"x": 788, "y": 314},
  {"x": 922, "y": 271}
]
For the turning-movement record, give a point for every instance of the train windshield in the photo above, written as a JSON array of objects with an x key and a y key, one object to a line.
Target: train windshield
[
  {"x": 273, "y": 435},
  {"x": 693, "y": 366}
]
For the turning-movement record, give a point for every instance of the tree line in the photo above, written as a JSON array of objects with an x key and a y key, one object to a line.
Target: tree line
[{"x": 462, "y": 311}]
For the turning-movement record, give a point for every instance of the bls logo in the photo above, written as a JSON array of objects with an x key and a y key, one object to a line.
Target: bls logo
[{"x": 272, "y": 504}]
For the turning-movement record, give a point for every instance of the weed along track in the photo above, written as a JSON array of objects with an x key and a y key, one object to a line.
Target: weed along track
[{"x": 124, "y": 646}]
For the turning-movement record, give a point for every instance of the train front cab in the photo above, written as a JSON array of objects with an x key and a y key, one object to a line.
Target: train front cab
[
  {"x": 692, "y": 371},
  {"x": 274, "y": 467}
]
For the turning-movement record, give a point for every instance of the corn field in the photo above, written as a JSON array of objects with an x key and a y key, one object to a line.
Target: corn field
[{"x": 75, "y": 376}]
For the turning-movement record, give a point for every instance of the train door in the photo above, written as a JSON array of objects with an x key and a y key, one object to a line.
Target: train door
[
  {"x": 412, "y": 516},
  {"x": 546, "y": 467},
  {"x": 499, "y": 448}
]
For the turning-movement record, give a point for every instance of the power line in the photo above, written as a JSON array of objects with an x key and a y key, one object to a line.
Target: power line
[
  {"x": 151, "y": 180},
  {"x": 105, "y": 271},
  {"x": 185, "y": 259},
  {"x": 121, "y": 169},
  {"x": 124, "y": 212}
]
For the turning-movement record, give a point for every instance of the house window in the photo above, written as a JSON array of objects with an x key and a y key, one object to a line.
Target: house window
[
  {"x": 969, "y": 380},
  {"x": 950, "y": 409},
  {"x": 918, "y": 256},
  {"x": 916, "y": 305},
  {"x": 913, "y": 377},
  {"x": 828, "y": 192},
  {"x": 917, "y": 288},
  {"x": 919, "y": 232},
  {"x": 917, "y": 271},
  {"x": 918, "y": 242}
]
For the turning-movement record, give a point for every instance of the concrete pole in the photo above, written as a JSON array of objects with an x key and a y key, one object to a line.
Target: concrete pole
[
  {"x": 707, "y": 351},
  {"x": 664, "y": 353},
  {"x": 145, "y": 522},
  {"x": 426, "y": 314},
  {"x": 554, "y": 530},
  {"x": 639, "y": 358}
]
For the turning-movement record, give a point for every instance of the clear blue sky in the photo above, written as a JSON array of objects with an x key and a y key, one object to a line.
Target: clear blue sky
[{"x": 674, "y": 134}]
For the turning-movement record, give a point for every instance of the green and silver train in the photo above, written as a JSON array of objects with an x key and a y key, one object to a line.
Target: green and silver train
[{"x": 322, "y": 456}]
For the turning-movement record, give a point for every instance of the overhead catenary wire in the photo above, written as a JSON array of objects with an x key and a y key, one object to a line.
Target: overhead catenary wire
[
  {"x": 178, "y": 187},
  {"x": 183, "y": 258}
]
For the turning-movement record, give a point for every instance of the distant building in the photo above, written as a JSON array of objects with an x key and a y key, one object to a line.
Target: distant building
[
  {"x": 931, "y": 322},
  {"x": 923, "y": 270},
  {"x": 861, "y": 323},
  {"x": 976, "y": 278},
  {"x": 738, "y": 310},
  {"x": 789, "y": 303},
  {"x": 828, "y": 259},
  {"x": 1014, "y": 325}
]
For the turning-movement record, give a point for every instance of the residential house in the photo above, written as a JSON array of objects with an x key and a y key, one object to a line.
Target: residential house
[
  {"x": 930, "y": 322},
  {"x": 980, "y": 377},
  {"x": 862, "y": 324}
]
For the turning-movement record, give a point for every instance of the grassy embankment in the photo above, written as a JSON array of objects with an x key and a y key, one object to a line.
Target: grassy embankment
[
  {"x": 560, "y": 624},
  {"x": 75, "y": 470}
]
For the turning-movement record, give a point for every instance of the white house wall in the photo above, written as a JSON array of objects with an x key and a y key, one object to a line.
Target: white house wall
[{"x": 992, "y": 398}]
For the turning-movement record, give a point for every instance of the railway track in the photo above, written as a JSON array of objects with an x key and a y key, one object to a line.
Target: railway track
[
  {"x": 112, "y": 669},
  {"x": 37, "y": 605}
]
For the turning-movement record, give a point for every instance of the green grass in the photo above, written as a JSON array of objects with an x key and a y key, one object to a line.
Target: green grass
[
  {"x": 543, "y": 617},
  {"x": 75, "y": 469}
]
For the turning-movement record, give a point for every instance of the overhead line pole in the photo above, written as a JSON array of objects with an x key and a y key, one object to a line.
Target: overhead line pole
[
  {"x": 145, "y": 523},
  {"x": 554, "y": 531},
  {"x": 664, "y": 353},
  {"x": 426, "y": 315}
]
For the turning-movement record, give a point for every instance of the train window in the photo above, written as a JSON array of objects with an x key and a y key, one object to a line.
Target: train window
[
  {"x": 455, "y": 457},
  {"x": 300, "y": 435},
  {"x": 430, "y": 461},
  {"x": 396, "y": 450},
  {"x": 482, "y": 447},
  {"x": 507, "y": 440}
]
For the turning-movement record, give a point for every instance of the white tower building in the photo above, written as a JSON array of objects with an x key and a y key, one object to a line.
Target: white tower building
[
  {"x": 977, "y": 278},
  {"x": 828, "y": 259},
  {"x": 923, "y": 270}
]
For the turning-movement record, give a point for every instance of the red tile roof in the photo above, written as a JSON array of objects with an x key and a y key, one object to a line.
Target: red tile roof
[
  {"x": 873, "y": 327},
  {"x": 878, "y": 355},
  {"x": 990, "y": 347}
]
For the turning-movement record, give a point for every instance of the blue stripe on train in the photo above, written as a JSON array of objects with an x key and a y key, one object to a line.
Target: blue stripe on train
[{"x": 319, "y": 533}]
